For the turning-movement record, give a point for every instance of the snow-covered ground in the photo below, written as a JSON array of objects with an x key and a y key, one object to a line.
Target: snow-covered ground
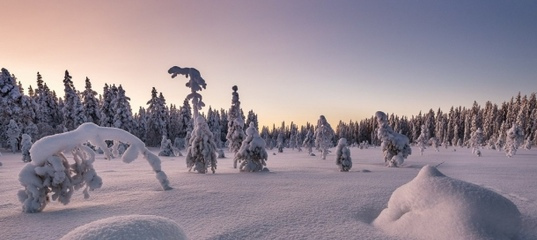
[{"x": 302, "y": 197}]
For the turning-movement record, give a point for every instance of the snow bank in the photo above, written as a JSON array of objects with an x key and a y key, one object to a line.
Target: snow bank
[
  {"x": 128, "y": 227},
  {"x": 434, "y": 206}
]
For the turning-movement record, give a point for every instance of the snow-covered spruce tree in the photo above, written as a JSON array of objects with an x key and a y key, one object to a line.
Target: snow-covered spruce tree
[
  {"x": 343, "y": 156},
  {"x": 157, "y": 113},
  {"x": 309, "y": 142},
  {"x": 323, "y": 136},
  {"x": 395, "y": 146},
  {"x": 73, "y": 112},
  {"x": 10, "y": 109},
  {"x": 235, "y": 132},
  {"x": 51, "y": 173},
  {"x": 421, "y": 141},
  {"x": 476, "y": 141},
  {"x": 26, "y": 145},
  {"x": 90, "y": 104},
  {"x": 166, "y": 149},
  {"x": 13, "y": 133},
  {"x": 201, "y": 154},
  {"x": 514, "y": 138},
  {"x": 280, "y": 142},
  {"x": 252, "y": 155}
]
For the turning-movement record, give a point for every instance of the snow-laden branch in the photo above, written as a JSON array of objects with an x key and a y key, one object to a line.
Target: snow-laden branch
[{"x": 50, "y": 171}]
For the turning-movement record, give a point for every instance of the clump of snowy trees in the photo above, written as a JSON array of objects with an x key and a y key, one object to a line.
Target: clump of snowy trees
[
  {"x": 252, "y": 155},
  {"x": 43, "y": 112},
  {"x": 51, "y": 173},
  {"x": 395, "y": 146}
]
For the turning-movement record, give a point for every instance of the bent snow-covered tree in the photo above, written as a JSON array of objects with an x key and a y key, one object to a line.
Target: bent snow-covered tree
[
  {"x": 201, "y": 152},
  {"x": 50, "y": 171},
  {"x": 252, "y": 155},
  {"x": 343, "y": 156},
  {"x": 395, "y": 146}
]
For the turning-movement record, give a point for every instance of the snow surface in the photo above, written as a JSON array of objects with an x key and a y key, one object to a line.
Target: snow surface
[
  {"x": 303, "y": 197},
  {"x": 131, "y": 227},
  {"x": 455, "y": 209}
]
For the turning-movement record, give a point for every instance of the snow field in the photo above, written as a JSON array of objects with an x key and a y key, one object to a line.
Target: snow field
[{"x": 302, "y": 197}]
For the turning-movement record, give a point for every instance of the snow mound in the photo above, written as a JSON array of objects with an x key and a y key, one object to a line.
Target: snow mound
[
  {"x": 434, "y": 206},
  {"x": 128, "y": 227}
]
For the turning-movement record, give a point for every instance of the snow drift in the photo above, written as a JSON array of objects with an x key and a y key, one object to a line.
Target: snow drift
[
  {"x": 128, "y": 227},
  {"x": 434, "y": 206}
]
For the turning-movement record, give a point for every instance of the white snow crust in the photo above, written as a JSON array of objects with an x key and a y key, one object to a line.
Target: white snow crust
[
  {"x": 302, "y": 197},
  {"x": 133, "y": 227}
]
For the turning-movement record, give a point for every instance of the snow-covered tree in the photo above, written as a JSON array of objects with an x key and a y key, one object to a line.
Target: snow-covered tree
[
  {"x": 515, "y": 137},
  {"x": 122, "y": 117},
  {"x": 476, "y": 141},
  {"x": 309, "y": 142},
  {"x": 10, "y": 109},
  {"x": 343, "y": 155},
  {"x": 421, "y": 141},
  {"x": 90, "y": 104},
  {"x": 201, "y": 154},
  {"x": 252, "y": 155},
  {"x": 323, "y": 136},
  {"x": 73, "y": 112},
  {"x": 395, "y": 146},
  {"x": 51, "y": 173},
  {"x": 13, "y": 133},
  {"x": 166, "y": 149},
  {"x": 26, "y": 144},
  {"x": 235, "y": 134},
  {"x": 157, "y": 114},
  {"x": 280, "y": 142},
  {"x": 106, "y": 111}
]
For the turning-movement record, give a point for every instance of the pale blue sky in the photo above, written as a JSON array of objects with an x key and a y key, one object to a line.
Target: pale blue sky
[{"x": 292, "y": 60}]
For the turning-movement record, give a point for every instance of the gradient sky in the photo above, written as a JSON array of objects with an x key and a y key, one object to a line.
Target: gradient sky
[{"x": 292, "y": 60}]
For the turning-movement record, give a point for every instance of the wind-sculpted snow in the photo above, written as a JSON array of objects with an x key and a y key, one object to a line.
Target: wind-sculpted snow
[
  {"x": 128, "y": 227},
  {"x": 434, "y": 206},
  {"x": 50, "y": 171}
]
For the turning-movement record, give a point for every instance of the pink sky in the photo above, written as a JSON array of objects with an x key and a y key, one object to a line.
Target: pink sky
[{"x": 292, "y": 60}]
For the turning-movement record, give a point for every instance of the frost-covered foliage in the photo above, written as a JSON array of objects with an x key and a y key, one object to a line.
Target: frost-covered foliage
[
  {"x": 343, "y": 155},
  {"x": 13, "y": 133},
  {"x": 128, "y": 227},
  {"x": 323, "y": 136},
  {"x": 201, "y": 154},
  {"x": 434, "y": 206},
  {"x": 395, "y": 146},
  {"x": 157, "y": 114},
  {"x": 166, "y": 149},
  {"x": 252, "y": 155},
  {"x": 514, "y": 139},
  {"x": 421, "y": 142},
  {"x": 50, "y": 171},
  {"x": 26, "y": 145},
  {"x": 476, "y": 141},
  {"x": 235, "y": 133}
]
